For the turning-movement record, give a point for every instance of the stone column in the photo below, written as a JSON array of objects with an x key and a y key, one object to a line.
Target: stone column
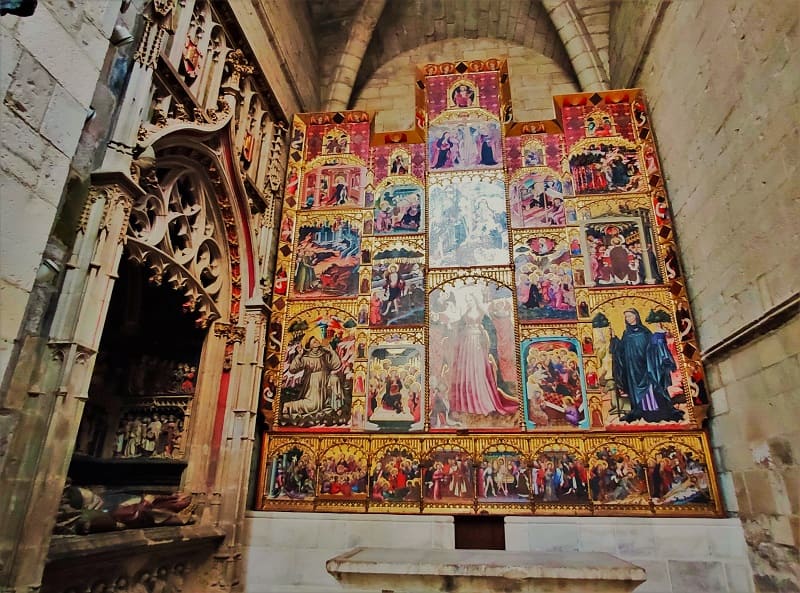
[
  {"x": 578, "y": 43},
  {"x": 198, "y": 478},
  {"x": 50, "y": 385},
  {"x": 158, "y": 17},
  {"x": 344, "y": 75},
  {"x": 241, "y": 415}
]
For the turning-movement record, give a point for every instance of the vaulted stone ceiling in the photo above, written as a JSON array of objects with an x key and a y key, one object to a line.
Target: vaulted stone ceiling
[{"x": 356, "y": 37}]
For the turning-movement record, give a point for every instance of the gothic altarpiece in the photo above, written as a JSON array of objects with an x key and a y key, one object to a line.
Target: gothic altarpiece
[{"x": 482, "y": 315}]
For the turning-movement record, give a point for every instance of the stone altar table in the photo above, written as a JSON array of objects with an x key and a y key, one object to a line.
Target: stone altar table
[{"x": 393, "y": 570}]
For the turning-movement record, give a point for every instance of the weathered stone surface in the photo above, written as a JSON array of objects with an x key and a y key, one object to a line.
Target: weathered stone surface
[
  {"x": 482, "y": 571},
  {"x": 733, "y": 116},
  {"x": 63, "y": 121},
  {"x": 291, "y": 545},
  {"x": 30, "y": 92},
  {"x": 288, "y": 551}
]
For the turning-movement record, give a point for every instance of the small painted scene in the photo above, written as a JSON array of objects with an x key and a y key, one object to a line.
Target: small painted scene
[
  {"x": 537, "y": 200},
  {"x": 473, "y": 382},
  {"x": 606, "y": 167},
  {"x": 287, "y": 228},
  {"x": 559, "y": 476},
  {"x": 638, "y": 363},
  {"x": 396, "y": 476},
  {"x": 616, "y": 476},
  {"x": 317, "y": 387},
  {"x": 291, "y": 475},
  {"x": 555, "y": 387},
  {"x": 399, "y": 163},
  {"x": 503, "y": 476},
  {"x": 468, "y": 225},
  {"x": 600, "y": 124},
  {"x": 336, "y": 141},
  {"x": 327, "y": 258},
  {"x": 533, "y": 154},
  {"x": 398, "y": 209},
  {"x": 397, "y": 292},
  {"x": 460, "y": 144},
  {"x": 343, "y": 473},
  {"x": 619, "y": 252},
  {"x": 545, "y": 289},
  {"x": 678, "y": 476},
  {"x": 396, "y": 387},
  {"x": 463, "y": 94},
  {"x": 333, "y": 186},
  {"x": 448, "y": 477}
]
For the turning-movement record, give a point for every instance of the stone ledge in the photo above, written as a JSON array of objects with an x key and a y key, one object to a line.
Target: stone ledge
[
  {"x": 131, "y": 541},
  {"x": 465, "y": 571},
  {"x": 349, "y": 517}
]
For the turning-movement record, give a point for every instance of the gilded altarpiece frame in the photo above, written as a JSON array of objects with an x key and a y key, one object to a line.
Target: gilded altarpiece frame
[{"x": 480, "y": 315}]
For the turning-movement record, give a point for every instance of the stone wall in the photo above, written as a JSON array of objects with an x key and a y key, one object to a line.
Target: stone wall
[
  {"x": 287, "y": 551},
  {"x": 534, "y": 77},
  {"x": 280, "y": 35},
  {"x": 679, "y": 555},
  {"x": 754, "y": 429},
  {"x": 49, "y": 65},
  {"x": 721, "y": 78},
  {"x": 634, "y": 24},
  {"x": 405, "y": 26}
]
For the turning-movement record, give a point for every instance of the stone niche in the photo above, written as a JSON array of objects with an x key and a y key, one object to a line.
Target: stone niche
[{"x": 129, "y": 451}]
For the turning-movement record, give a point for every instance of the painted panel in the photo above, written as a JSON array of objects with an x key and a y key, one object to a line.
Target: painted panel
[
  {"x": 317, "y": 382},
  {"x": 559, "y": 476},
  {"x": 327, "y": 257},
  {"x": 543, "y": 274},
  {"x": 396, "y": 477},
  {"x": 397, "y": 292},
  {"x": 334, "y": 186},
  {"x": 639, "y": 370},
  {"x": 456, "y": 144},
  {"x": 398, "y": 207},
  {"x": 473, "y": 378},
  {"x": 554, "y": 383},
  {"x": 449, "y": 477},
  {"x": 292, "y": 474},
  {"x": 468, "y": 224},
  {"x": 395, "y": 395},
  {"x": 537, "y": 199}
]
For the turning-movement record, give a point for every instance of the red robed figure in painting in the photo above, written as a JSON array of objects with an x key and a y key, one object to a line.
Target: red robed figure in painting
[{"x": 473, "y": 387}]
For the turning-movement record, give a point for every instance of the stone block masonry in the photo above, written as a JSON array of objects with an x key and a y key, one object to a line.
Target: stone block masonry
[
  {"x": 49, "y": 66},
  {"x": 287, "y": 551},
  {"x": 721, "y": 78}
]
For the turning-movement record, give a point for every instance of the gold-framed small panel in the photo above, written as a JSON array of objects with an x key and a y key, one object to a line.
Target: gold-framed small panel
[
  {"x": 503, "y": 476},
  {"x": 617, "y": 482}
]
